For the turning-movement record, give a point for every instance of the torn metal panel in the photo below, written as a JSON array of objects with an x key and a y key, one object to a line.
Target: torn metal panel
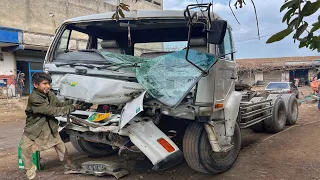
[
  {"x": 131, "y": 109},
  {"x": 98, "y": 90},
  {"x": 101, "y": 168}
]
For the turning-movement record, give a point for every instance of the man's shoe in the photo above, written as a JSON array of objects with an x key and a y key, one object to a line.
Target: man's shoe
[{"x": 31, "y": 173}]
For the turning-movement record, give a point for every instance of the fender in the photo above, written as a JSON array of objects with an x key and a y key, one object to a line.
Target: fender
[{"x": 231, "y": 110}]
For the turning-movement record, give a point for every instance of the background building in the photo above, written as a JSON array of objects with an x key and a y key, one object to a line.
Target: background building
[
  {"x": 250, "y": 71},
  {"x": 25, "y": 36}
]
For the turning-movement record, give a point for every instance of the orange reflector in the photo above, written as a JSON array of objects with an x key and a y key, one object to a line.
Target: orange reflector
[
  {"x": 218, "y": 106},
  {"x": 166, "y": 145}
]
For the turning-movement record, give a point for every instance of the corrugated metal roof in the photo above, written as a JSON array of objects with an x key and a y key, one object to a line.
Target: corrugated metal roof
[{"x": 265, "y": 64}]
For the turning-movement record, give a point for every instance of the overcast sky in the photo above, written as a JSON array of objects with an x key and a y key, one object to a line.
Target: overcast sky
[{"x": 245, "y": 35}]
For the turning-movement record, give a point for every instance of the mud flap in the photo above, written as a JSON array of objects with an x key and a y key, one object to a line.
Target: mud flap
[{"x": 158, "y": 147}]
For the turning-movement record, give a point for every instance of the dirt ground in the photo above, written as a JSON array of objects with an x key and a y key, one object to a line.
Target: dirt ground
[{"x": 291, "y": 154}]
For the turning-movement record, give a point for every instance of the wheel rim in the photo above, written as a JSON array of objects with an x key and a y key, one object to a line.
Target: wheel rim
[
  {"x": 281, "y": 114},
  {"x": 221, "y": 156},
  {"x": 294, "y": 110}
]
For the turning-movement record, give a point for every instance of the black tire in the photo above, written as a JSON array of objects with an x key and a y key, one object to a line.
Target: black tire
[
  {"x": 292, "y": 109},
  {"x": 277, "y": 121},
  {"x": 90, "y": 148},
  {"x": 259, "y": 127},
  {"x": 199, "y": 155},
  {"x": 191, "y": 141}
]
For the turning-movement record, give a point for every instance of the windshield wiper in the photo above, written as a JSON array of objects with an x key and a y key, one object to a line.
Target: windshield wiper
[
  {"x": 65, "y": 64},
  {"x": 85, "y": 63},
  {"x": 114, "y": 64},
  {"x": 108, "y": 67},
  {"x": 75, "y": 64}
]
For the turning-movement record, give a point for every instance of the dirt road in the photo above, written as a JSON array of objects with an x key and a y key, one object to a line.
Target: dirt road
[{"x": 292, "y": 154}]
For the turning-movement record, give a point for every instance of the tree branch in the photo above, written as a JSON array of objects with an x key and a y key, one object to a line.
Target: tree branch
[
  {"x": 233, "y": 12},
  {"x": 255, "y": 11}
]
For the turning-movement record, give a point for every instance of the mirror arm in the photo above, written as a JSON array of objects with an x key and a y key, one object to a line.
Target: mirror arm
[
  {"x": 188, "y": 47},
  {"x": 190, "y": 18}
]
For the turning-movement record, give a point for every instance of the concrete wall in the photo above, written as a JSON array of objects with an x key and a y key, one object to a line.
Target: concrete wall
[
  {"x": 144, "y": 4},
  {"x": 34, "y": 18},
  {"x": 7, "y": 66},
  {"x": 258, "y": 76},
  {"x": 34, "y": 15},
  {"x": 285, "y": 76},
  {"x": 7, "y": 71},
  {"x": 246, "y": 78},
  {"x": 147, "y": 47}
]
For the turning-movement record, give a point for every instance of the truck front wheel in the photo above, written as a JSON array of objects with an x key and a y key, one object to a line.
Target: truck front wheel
[
  {"x": 199, "y": 155},
  {"x": 90, "y": 148}
]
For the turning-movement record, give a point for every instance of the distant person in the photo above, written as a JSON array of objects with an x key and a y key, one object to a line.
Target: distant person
[
  {"x": 41, "y": 129},
  {"x": 20, "y": 81},
  {"x": 296, "y": 82},
  {"x": 315, "y": 85}
]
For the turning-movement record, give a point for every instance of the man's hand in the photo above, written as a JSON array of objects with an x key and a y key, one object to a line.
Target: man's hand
[
  {"x": 76, "y": 106},
  {"x": 81, "y": 105}
]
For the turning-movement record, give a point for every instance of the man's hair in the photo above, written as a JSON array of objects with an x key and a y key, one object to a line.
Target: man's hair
[{"x": 38, "y": 77}]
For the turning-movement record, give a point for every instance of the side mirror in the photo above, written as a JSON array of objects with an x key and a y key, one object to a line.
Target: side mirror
[{"x": 217, "y": 31}]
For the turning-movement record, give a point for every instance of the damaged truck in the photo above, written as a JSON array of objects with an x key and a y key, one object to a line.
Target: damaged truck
[{"x": 168, "y": 105}]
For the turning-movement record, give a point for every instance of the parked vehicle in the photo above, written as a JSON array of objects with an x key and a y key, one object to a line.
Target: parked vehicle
[
  {"x": 167, "y": 105},
  {"x": 282, "y": 87}
]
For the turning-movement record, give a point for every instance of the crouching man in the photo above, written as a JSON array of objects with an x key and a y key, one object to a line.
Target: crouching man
[{"x": 41, "y": 130}]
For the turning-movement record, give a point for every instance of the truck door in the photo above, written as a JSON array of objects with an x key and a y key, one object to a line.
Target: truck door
[{"x": 225, "y": 70}]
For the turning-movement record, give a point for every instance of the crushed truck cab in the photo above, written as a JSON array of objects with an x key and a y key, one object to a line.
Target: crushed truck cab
[{"x": 141, "y": 97}]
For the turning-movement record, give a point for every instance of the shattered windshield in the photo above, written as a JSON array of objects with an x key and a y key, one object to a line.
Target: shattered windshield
[{"x": 170, "y": 77}]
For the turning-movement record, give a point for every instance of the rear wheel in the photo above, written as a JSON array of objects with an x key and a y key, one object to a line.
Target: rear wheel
[
  {"x": 277, "y": 121},
  {"x": 90, "y": 148},
  {"x": 199, "y": 155},
  {"x": 292, "y": 109}
]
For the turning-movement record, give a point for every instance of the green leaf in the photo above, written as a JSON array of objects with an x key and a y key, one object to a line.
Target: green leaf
[
  {"x": 287, "y": 16},
  {"x": 113, "y": 16},
  {"x": 121, "y": 13},
  {"x": 124, "y": 7},
  {"x": 303, "y": 44},
  {"x": 122, "y": 4},
  {"x": 310, "y": 8},
  {"x": 300, "y": 30},
  {"x": 315, "y": 27},
  {"x": 312, "y": 46},
  {"x": 289, "y": 4},
  {"x": 293, "y": 23},
  {"x": 279, "y": 36},
  {"x": 309, "y": 37}
]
